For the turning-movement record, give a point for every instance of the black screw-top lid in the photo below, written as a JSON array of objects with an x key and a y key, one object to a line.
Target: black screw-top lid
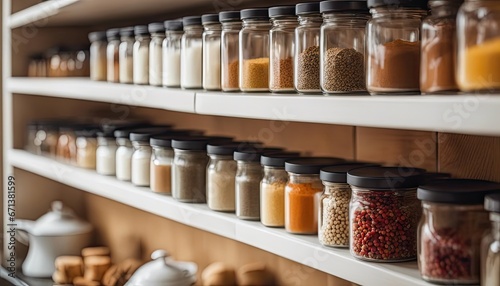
[
  {"x": 113, "y": 34},
  {"x": 127, "y": 31},
  {"x": 432, "y": 176},
  {"x": 191, "y": 143},
  {"x": 97, "y": 36},
  {"x": 492, "y": 203},
  {"x": 256, "y": 13},
  {"x": 277, "y": 159},
  {"x": 307, "y": 8},
  {"x": 281, "y": 11},
  {"x": 156, "y": 28},
  {"x": 173, "y": 25},
  {"x": 141, "y": 30},
  {"x": 385, "y": 178},
  {"x": 457, "y": 191},
  {"x": 229, "y": 16},
  {"x": 310, "y": 165},
  {"x": 165, "y": 139},
  {"x": 343, "y": 6},
  {"x": 143, "y": 134},
  {"x": 222, "y": 148},
  {"x": 210, "y": 18},
  {"x": 253, "y": 153},
  {"x": 89, "y": 131},
  {"x": 191, "y": 20},
  {"x": 110, "y": 126},
  {"x": 338, "y": 173},
  {"x": 422, "y": 4}
]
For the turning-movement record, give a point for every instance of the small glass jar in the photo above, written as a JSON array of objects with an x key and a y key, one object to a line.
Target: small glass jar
[
  {"x": 112, "y": 55},
  {"x": 254, "y": 50},
  {"x": 393, "y": 46},
  {"x": 451, "y": 229},
  {"x": 272, "y": 188},
  {"x": 490, "y": 245},
  {"x": 221, "y": 173},
  {"x": 478, "y": 64},
  {"x": 437, "y": 65},
  {"x": 82, "y": 62},
  {"x": 30, "y": 144},
  {"x": 141, "y": 55},
  {"x": 47, "y": 137},
  {"x": 282, "y": 47},
  {"x": 97, "y": 56},
  {"x": 211, "y": 51},
  {"x": 157, "y": 31},
  {"x": 333, "y": 215},
  {"x": 301, "y": 193},
  {"x": 66, "y": 145},
  {"x": 307, "y": 34},
  {"x": 86, "y": 146},
  {"x": 189, "y": 169},
  {"x": 172, "y": 53},
  {"x": 231, "y": 26},
  {"x": 124, "y": 153},
  {"x": 106, "y": 154},
  {"x": 384, "y": 212},
  {"x": 248, "y": 176},
  {"x": 161, "y": 164},
  {"x": 191, "y": 53},
  {"x": 126, "y": 54},
  {"x": 343, "y": 46}
]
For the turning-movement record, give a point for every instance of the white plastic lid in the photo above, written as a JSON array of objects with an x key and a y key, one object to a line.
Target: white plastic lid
[{"x": 59, "y": 221}]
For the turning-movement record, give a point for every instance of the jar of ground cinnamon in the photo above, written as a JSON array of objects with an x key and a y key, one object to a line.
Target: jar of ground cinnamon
[
  {"x": 393, "y": 46},
  {"x": 437, "y": 65}
]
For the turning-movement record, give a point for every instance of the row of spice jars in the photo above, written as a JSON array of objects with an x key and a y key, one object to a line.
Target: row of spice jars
[{"x": 60, "y": 62}]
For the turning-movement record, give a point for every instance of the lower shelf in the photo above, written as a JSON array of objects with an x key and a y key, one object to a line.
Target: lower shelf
[{"x": 299, "y": 248}]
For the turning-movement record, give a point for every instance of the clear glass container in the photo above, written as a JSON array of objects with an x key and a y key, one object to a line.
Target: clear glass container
[
  {"x": 82, "y": 62},
  {"x": 211, "y": 51},
  {"x": 254, "y": 50},
  {"x": 66, "y": 145},
  {"x": 157, "y": 31},
  {"x": 191, "y": 53},
  {"x": 248, "y": 177},
  {"x": 123, "y": 159},
  {"x": 126, "y": 54},
  {"x": 161, "y": 166},
  {"x": 97, "y": 57},
  {"x": 46, "y": 139},
  {"x": 172, "y": 53},
  {"x": 393, "y": 48},
  {"x": 439, "y": 40},
  {"x": 272, "y": 196},
  {"x": 112, "y": 55},
  {"x": 141, "y": 55},
  {"x": 282, "y": 47},
  {"x": 189, "y": 175},
  {"x": 140, "y": 163},
  {"x": 333, "y": 227},
  {"x": 478, "y": 65},
  {"x": 86, "y": 146},
  {"x": 301, "y": 206},
  {"x": 30, "y": 144},
  {"x": 106, "y": 154},
  {"x": 307, "y": 62},
  {"x": 490, "y": 246},
  {"x": 221, "y": 173},
  {"x": 231, "y": 26},
  {"x": 342, "y": 51}
]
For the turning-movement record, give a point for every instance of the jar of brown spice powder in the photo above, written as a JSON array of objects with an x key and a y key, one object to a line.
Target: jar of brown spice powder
[
  {"x": 282, "y": 38},
  {"x": 393, "y": 46}
]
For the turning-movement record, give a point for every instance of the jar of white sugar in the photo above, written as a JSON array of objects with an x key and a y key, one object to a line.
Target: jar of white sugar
[
  {"x": 125, "y": 55},
  {"x": 211, "y": 51},
  {"x": 106, "y": 154},
  {"x": 191, "y": 53},
  {"x": 141, "y": 55},
  {"x": 172, "y": 53},
  {"x": 157, "y": 31}
]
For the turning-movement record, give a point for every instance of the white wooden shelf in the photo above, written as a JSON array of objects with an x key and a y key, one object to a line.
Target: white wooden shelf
[
  {"x": 299, "y": 248},
  {"x": 464, "y": 114}
]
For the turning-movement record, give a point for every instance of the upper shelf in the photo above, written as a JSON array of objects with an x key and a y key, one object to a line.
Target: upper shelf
[
  {"x": 303, "y": 249},
  {"x": 464, "y": 114}
]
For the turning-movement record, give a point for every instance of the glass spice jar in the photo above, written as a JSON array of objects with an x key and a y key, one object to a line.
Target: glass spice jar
[
  {"x": 221, "y": 174},
  {"x": 333, "y": 215},
  {"x": 307, "y": 63},
  {"x": 272, "y": 188},
  {"x": 172, "y": 53},
  {"x": 450, "y": 232},
  {"x": 191, "y": 53},
  {"x": 342, "y": 44},
  {"x": 141, "y": 55},
  {"x": 231, "y": 26},
  {"x": 157, "y": 31},
  {"x": 248, "y": 177},
  {"x": 106, "y": 153},
  {"x": 478, "y": 63},
  {"x": 97, "y": 56},
  {"x": 112, "y": 55},
  {"x": 126, "y": 54},
  {"x": 66, "y": 144},
  {"x": 490, "y": 245},
  {"x": 30, "y": 144},
  {"x": 254, "y": 50},
  {"x": 211, "y": 51},
  {"x": 384, "y": 212},
  {"x": 47, "y": 136},
  {"x": 124, "y": 153},
  {"x": 161, "y": 164},
  {"x": 393, "y": 46},
  {"x": 282, "y": 47},
  {"x": 301, "y": 192},
  {"x": 86, "y": 146},
  {"x": 438, "y": 51}
]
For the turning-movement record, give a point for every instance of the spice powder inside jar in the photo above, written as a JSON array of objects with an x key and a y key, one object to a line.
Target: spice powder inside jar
[
  {"x": 256, "y": 73},
  {"x": 344, "y": 70},
  {"x": 308, "y": 67}
]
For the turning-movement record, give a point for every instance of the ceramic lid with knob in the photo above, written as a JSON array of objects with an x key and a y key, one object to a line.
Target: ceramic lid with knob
[
  {"x": 59, "y": 221},
  {"x": 164, "y": 271}
]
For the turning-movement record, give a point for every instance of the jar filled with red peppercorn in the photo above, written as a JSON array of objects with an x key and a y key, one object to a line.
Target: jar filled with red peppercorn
[
  {"x": 384, "y": 213},
  {"x": 451, "y": 229}
]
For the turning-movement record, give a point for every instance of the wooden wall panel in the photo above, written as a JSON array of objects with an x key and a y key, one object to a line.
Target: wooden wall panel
[
  {"x": 397, "y": 147},
  {"x": 466, "y": 156}
]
